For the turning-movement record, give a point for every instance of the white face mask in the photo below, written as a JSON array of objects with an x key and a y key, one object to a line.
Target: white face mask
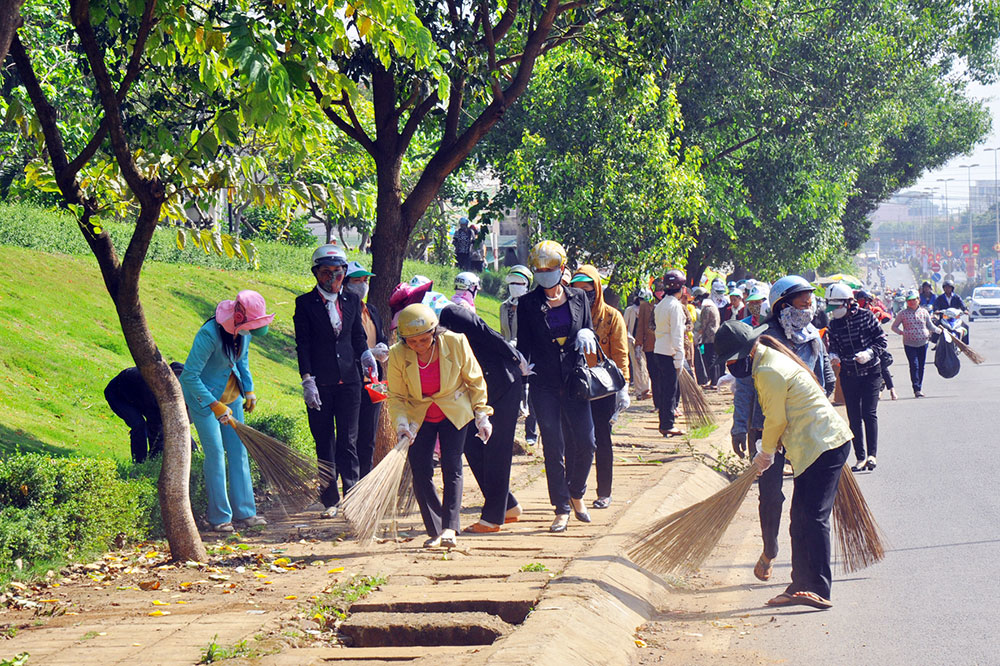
[
  {"x": 547, "y": 279},
  {"x": 838, "y": 313},
  {"x": 517, "y": 290},
  {"x": 359, "y": 288}
]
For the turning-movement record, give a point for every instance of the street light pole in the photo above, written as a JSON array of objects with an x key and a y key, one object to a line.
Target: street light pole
[
  {"x": 969, "y": 174},
  {"x": 996, "y": 199},
  {"x": 947, "y": 213}
]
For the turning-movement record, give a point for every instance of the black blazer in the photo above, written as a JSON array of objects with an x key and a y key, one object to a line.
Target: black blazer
[
  {"x": 553, "y": 363},
  {"x": 129, "y": 387},
  {"x": 500, "y": 363},
  {"x": 329, "y": 357}
]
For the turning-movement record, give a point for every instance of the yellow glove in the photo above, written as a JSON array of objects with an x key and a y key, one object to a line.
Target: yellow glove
[
  {"x": 222, "y": 412},
  {"x": 250, "y": 403}
]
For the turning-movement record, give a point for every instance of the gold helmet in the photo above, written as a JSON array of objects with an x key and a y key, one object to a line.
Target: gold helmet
[
  {"x": 547, "y": 255},
  {"x": 416, "y": 319}
]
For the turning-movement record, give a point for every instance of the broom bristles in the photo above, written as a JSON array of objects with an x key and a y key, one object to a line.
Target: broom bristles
[
  {"x": 971, "y": 353},
  {"x": 367, "y": 503},
  {"x": 684, "y": 539},
  {"x": 696, "y": 408},
  {"x": 859, "y": 538},
  {"x": 293, "y": 476}
]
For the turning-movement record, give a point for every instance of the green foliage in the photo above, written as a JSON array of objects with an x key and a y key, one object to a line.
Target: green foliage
[
  {"x": 59, "y": 507},
  {"x": 215, "y": 652},
  {"x": 269, "y": 224},
  {"x": 336, "y": 600},
  {"x": 20, "y": 659},
  {"x": 534, "y": 567}
]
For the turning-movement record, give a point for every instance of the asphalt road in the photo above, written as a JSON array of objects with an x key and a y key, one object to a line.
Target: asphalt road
[{"x": 937, "y": 497}]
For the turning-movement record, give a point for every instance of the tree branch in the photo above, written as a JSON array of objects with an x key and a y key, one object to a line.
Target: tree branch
[
  {"x": 734, "y": 148},
  {"x": 491, "y": 50},
  {"x": 455, "y": 101},
  {"x": 416, "y": 117},
  {"x": 356, "y": 133}
]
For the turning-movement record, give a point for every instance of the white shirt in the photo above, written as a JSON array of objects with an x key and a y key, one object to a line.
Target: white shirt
[
  {"x": 330, "y": 300},
  {"x": 631, "y": 315},
  {"x": 669, "y": 317}
]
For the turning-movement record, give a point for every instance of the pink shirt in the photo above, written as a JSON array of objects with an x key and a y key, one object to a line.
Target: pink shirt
[
  {"x": 430, "y": 383},
  {"x": 916, "y": 326}
]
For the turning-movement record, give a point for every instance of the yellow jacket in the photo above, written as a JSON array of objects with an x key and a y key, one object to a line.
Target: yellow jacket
[
  {"x": 463, "y": 389},
  {"x": 796, "y": 410},
  {"x": 609, "y": 325}
]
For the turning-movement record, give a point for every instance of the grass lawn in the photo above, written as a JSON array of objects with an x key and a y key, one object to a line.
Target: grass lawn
[{"x": 60, "y": 342}]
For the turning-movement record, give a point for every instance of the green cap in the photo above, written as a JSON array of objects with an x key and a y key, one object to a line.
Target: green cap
[{"x": 581, "y": 277}]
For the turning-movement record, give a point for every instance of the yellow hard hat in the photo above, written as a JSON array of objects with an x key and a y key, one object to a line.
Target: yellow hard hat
[
  {"x": 416, "y": 319},
  {"x": 547, "y": 255}
]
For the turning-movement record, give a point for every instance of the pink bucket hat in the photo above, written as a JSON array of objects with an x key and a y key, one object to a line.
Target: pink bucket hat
[{"x": 246, "y": 313}]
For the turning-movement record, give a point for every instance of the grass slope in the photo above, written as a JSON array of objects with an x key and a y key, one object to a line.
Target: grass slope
[{"x": 60, "y": 342}]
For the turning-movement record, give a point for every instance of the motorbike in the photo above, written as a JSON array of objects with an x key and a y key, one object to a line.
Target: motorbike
[{"x": 950, "y": 320}]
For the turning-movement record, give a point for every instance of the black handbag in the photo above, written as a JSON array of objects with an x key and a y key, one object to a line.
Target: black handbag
[{"x": 600, "y": 381}]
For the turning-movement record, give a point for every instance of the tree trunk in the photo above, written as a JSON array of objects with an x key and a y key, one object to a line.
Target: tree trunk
[
  {"x": 391, "y": 236},
  {"x": 10, "y": 21}
]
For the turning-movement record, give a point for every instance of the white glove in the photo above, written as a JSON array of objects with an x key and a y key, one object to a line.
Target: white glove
[
  {"x": 381, "y": 352},
  {"x": 310, "y": 393},
  {"x": 368, "y": 363},
  {"x": 834, "y": 358},
  {"x": 586, "y": 341},
  {"x": 622, "y": 400},
  {"x": 763, "y": 459},
  {"x": 483, "y": 426},
  {"x": 408, "y": 431},
  {"x": 527, "y": 369},
  {"x": 864, "y": 356},
  {"x": 726, "y": 381},
  {"x": 678, "y": 362}
]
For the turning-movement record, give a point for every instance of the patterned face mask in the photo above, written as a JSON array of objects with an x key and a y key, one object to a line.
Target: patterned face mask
[{"x": 796, "y": 319}]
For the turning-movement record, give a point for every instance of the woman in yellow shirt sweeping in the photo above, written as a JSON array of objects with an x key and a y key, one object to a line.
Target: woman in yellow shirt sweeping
[{"x": 816, "y": 441}]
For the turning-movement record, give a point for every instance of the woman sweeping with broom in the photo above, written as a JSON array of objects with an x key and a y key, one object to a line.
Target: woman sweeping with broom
[
  {"x": 816, "y": 441},
  {"x": 436, "y": 388},
  {"x": 217, "y": 387}
]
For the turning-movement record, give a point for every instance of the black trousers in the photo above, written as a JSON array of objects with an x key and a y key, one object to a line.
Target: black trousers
[
  {"x": 812, "y": 501},
  {"x": 141, "y": 430},
  {"x": 334, "y": 428},
  {"x": 916, "y": 358},
  {"x": 711, "y": 369},
  {"x": 601, "y": 411},
  {"x": 368, "y": 415},
  {"x": 654, "y": 377},
  {"x": 464, "y": 260},
  {"x": 861, "y": 400},
  {"x": 770, "y": 502},
  {"x": 668, "y": 390},
  {"x": 438, "y": 514},
  {"x": 567, "y": 429},
  {"x": 490, "y": 462}
]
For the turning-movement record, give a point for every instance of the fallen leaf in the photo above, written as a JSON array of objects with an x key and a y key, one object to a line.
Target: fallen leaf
[
  {"x": 640, "y": 643},
  {"x": 291, "y": 596},
  {"x": 48, "y": 601},
  {"x": 149, "y": 585},
  {"x": 282, "y": 561},
  {"x": 185, "y": 585},
  {"x": 157, "y": 602},
  {"x": 260, "y": 575},
  {"x": 335, "y": 570},
  {"x": 159, "y": 613},
  {"x": 181, "y": 602},
  {"x": 151, "y": 554}
]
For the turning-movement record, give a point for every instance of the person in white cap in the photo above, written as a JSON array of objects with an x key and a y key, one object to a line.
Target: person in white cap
[{"x": 330, "y": 341}]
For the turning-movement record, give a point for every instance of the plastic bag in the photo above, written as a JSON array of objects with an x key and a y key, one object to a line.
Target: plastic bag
[{"x": 946, "y": 357}]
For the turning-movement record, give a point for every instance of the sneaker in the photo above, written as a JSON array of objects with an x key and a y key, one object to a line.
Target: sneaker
[
  {"x": 223, "y": 527},
  {"x": 253, "y": 521},
  {"x": 329, "y": 512},
  {"x": 918, "y": 394}
]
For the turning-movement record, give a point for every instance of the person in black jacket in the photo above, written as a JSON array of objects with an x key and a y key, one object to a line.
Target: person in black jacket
[
  {"x": 329, "y": 340},
  {"x": 502, "y": 368},
  {"x": 368, "y": 413},
  {"x": 554, "y": 331},
  {"x": 948, "y": 299},
  {"x": 131, "y": 400},
  {"x": 857, "y": 343}
]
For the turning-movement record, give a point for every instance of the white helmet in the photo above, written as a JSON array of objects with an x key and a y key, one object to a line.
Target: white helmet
[
  {"x": 466, "y": 281},
  {"x": 839, "y": 292},
  {"x": 329, "y": 255},
  {"x": 418, "y": 280}
]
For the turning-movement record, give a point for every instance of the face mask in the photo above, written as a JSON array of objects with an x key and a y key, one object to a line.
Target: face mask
[
  {"x": 547, "y": 279},
  {"x": 591, "y": 296},
  {"x": 358, "y": 288},
  {"x": 332, "y": 284},
  {"x": 658, "y": 294},
  {"x": 517, "y": 290},
  {"x": 753, "y": 307},
  {"x": 741, "y": 368},
  {"x": 838, "y": 312},
  {"x": 795, "y": 319},
  {"x": 257, "y": 332}
]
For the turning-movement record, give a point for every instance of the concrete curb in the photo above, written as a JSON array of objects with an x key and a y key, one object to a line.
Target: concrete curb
[{"x": 602, "y": 597}]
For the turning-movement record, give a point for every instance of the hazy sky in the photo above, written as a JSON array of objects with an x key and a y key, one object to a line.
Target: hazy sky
[{"x": 958, "y": 191}]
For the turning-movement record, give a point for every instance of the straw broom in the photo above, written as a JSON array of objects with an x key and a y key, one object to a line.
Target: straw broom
[
  {"x": 683, "y": 540},
  {"x": 971, "y": 353},
  {"x": 371, "y": 498},
  {"x": 696, "y": 408},
  {"x": 291, "y": 474},
  {"x": 859, "y": 538}
]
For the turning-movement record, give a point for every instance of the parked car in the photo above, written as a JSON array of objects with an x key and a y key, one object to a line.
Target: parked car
[{"x": 985, "y": 302}]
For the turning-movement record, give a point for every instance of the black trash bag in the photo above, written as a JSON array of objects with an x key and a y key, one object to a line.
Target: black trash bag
[{"x": 946, "y": 357}]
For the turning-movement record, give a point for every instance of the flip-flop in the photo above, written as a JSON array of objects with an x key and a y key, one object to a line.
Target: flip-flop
[
  {"x": 783, "y": 599},
  {"x": 762, "y": 570},
  {"x": 800, "y": 599}
]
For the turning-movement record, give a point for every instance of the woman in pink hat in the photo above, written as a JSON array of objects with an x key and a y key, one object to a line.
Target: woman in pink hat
[{"x": 217, "y": 387}]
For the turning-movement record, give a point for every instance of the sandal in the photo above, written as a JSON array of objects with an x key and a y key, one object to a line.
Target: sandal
[
  {"x": 803, "y": 598},
  {"x": 762, "y": 570}
]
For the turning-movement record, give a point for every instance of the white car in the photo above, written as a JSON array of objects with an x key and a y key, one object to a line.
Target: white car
[{"x": 985, "y": 302}]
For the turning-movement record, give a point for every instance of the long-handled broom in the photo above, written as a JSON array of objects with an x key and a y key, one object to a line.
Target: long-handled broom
[
  {"x": 290, "y": 474},
  {"x": 971, "y": 353},
  {"x": 371, "y": 498},
  {"x": 859, "y": 539},
  {"x": 696, "y": 408},
  {"x": 684, "y": 539}
]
